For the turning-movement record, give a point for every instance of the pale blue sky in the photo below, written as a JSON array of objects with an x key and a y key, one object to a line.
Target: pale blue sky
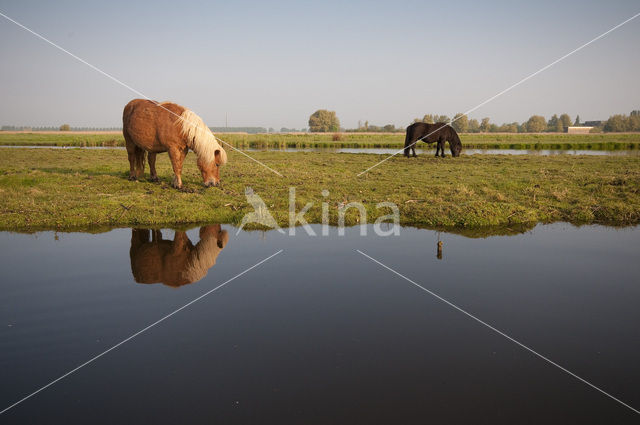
[{"x": 273, "y": 63}]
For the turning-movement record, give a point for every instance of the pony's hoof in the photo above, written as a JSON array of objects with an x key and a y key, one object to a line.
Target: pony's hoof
[
  {"x": 133, "y": 178},
  {"x": 176, "y": 183},
  {"x": 154, "y": 180}
]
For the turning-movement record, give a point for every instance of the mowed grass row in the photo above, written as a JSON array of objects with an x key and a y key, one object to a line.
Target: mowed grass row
[
  {"x": 603, "y": 141},
  {"x": 66, "y": 189}
]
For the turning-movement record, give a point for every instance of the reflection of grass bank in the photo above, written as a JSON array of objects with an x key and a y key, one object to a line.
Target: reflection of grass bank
[
  {"x": 43, "y": 188},
  {"x": 556, "y": 141}
]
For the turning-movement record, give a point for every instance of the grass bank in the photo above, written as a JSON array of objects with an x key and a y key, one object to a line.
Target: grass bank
[
  {"x": 603, "y": 141},
  {"x": 66, "y": 189}
]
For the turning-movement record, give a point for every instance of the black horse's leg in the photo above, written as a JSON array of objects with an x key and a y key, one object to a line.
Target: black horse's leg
[
  {"x": 413, "y": 149},
  {"x": 437, "y": 148},
  {"x": 441, "y": 143}
]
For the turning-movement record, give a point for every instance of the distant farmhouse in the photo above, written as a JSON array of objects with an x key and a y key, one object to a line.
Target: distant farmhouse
[
  {"x": 593, "y": 123},
  {"x": 578, "y": 130},
  {"x": 584, "y": 128}
]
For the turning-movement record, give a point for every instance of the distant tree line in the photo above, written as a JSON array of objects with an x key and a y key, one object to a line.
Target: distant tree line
[
  {"x": 327, "y": 121},
  {"x": 293, "y": 130},
  {"x": 366, "y": 127},
  {"x": 623, "y": 122},
  {"x": 536, "y": 123}
]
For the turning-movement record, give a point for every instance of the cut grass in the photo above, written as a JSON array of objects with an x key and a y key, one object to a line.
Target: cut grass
[
  {"x": 560, "y": 141},
  {"x": 67, "y": 189}
]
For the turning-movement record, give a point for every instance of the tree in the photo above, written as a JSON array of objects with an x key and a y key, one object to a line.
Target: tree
[
  {"x": 616, "y": 123},
  {"x": 65, "y": 127},
  {"x": 536, "y": 124},
  {"x": 633, "y": 122},
  {"x": 428, "y": 119},
  {"x": 389, "y": 128},
  {"x": 552, "y": 124},
  {"x": 484, "y": 125},
  {"x": 460, "y": 123},
  {"x": 441, "y": 118},
  {"x": 508, "y": 128},
  {"x": 322, "y": 121},
  {"x": 577, "y": 121},
  {"x": 474, "y": 126},
  {"x": 565, "y": 119}
]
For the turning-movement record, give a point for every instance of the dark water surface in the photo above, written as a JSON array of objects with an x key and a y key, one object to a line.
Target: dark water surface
[{"x": 320, "y": 334}]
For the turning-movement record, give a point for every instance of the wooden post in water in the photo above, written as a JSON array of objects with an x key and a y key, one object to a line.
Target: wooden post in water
[{"x": 439, "y": 255}]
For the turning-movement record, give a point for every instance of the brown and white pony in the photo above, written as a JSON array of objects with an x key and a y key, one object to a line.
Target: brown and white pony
[{"x": 154, "y": 127}]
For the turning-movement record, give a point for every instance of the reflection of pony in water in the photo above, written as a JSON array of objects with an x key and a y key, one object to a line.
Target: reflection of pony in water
[{"x": 178, "y": 262}]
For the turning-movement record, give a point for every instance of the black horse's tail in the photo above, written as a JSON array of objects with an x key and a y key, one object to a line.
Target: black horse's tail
[
  {"x": 407, "y": 141},
  {"x": 454, "y": 142}
]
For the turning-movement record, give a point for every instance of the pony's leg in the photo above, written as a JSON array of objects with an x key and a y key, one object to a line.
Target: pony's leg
[
  {"x": 139, "y": 237},
  {"x": 437, "y": 149},
  {"x": 131, "y": 154},
  {"x": 177, "y": 159},
  {"x": 181, "y": 242},
  {"x": 152, "y": 167},
  {"x": 413, "y": 149}
]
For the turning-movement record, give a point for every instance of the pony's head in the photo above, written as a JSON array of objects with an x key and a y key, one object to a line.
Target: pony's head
[
  {"x": 456, "y": 149},
  {"x": 210, "y": 170},
  {"x": 202, "y": 141},
  {"x": 215, "y": 231},
  {"x": 454, "y": 143}
]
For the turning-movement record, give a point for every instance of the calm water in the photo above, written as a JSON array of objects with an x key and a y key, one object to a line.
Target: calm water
[
  {"x": 389, "y": 151},
  {"x": 319, "y": 333}
]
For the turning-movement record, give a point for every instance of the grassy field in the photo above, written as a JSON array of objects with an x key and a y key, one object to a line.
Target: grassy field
[
  {"x": 602, "y": 141},
  {"x": 74, "y": 188}
]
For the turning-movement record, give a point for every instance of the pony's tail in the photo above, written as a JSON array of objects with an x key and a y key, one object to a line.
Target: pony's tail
[
  {"x": 407, "y": 141},
  {"x": 140, "y": 157}
]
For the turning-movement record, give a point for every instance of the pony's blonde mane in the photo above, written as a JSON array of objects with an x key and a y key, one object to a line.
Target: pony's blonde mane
[
  {"x": 202, "y": 258},
  {"x": 199, "y": 138}
]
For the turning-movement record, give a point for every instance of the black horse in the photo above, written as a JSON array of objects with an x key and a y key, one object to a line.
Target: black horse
[{"x": 439, "y": 133}]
